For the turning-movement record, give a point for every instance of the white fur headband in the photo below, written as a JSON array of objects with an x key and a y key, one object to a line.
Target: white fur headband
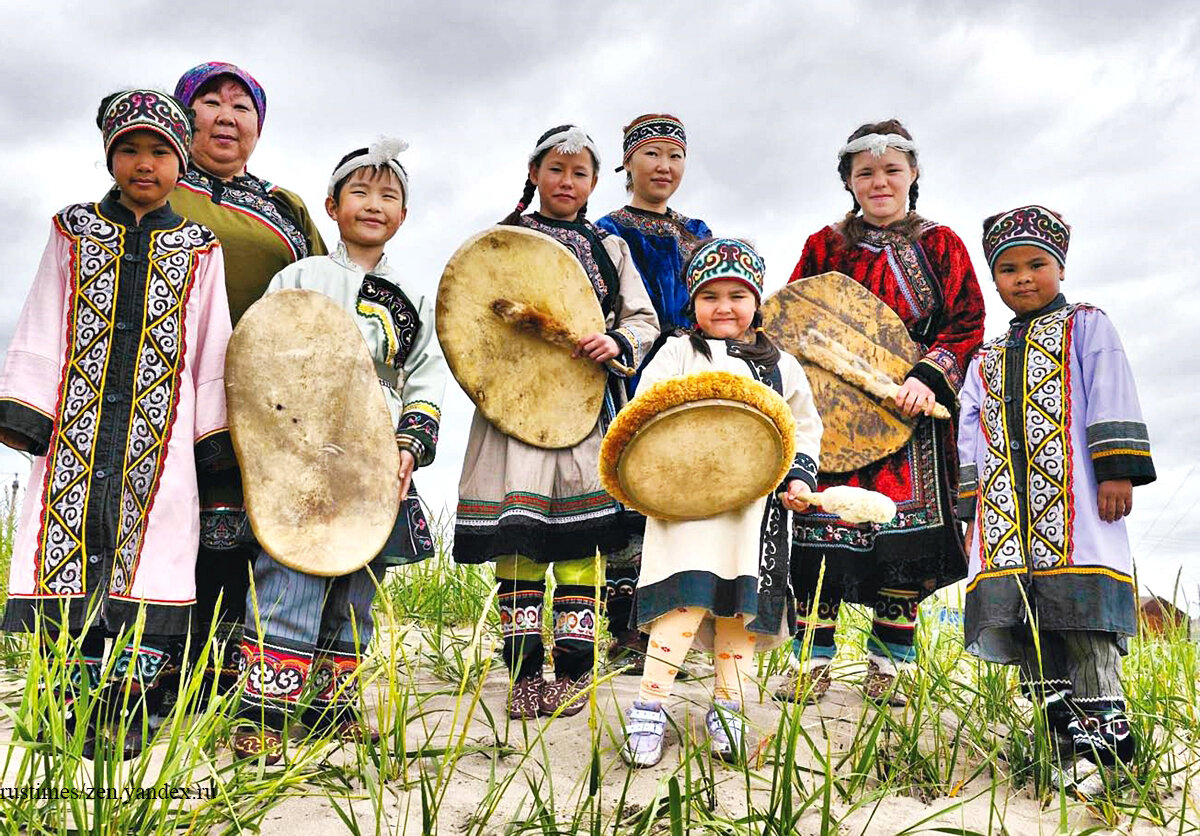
[
  {"x": 382, "y": 152},
  {"x": 570, "y": 141},
  {"x": 877, "y": 144}
]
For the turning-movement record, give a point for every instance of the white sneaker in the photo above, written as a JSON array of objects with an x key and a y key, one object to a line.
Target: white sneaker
[
  {"x": 645, "y": 728},
  {"x": 727, "y": 730}
]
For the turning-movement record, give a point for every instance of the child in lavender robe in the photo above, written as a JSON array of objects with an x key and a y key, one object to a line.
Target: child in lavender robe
[{"x": 1051, "y": 443}]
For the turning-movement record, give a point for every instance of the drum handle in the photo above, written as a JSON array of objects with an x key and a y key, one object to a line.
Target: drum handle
[
  {"x": 535, "y": 321},
  {"x": 852, "y": 504}
]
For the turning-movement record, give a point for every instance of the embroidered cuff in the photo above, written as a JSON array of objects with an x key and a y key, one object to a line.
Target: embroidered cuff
[
  {"x": 935, "y": 377},
  {"x": 626, "y": 353},
  {"x": 214, "y": 453},
  {"x": 968, "y": 492},
  {"x": 804, "y": 469},
  {"x": 417, "y": 430},
  {"x": 30, "y": 425},
  {"x": 1121, "y": 450}
]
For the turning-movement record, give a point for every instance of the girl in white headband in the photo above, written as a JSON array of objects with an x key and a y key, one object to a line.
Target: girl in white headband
[{"x": 922, "y": 271}]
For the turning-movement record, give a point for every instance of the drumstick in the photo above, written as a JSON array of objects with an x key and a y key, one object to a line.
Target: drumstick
[
  {"x": 531, "y": 320},
  {"x": 854, "y": 505},
  {"x": 834, "y": 357}
]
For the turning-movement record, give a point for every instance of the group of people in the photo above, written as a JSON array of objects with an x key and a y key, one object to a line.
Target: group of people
[{"x": 116, "y": 370}]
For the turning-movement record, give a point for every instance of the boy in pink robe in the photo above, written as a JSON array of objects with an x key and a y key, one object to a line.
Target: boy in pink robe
[
  {"x": 1051, "y": 443},
  {"x": 114, "y": 381}
]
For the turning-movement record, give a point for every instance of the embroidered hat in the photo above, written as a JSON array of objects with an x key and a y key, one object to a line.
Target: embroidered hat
[
  {"x": 651, "y": 127},
  {"x": 725, "y": 259},
  {"x": 147, "y": 110},
  {"x": 382, "y": 153},
  {"x": 195, "y": 78},
  {"x": 1034, "y": 225}
]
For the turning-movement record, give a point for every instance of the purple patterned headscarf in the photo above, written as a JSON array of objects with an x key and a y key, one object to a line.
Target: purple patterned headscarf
[
  {"x": 197, "y": 77},
  {"x": 1035, "y": 226},
  {"x": 147, "y": 110}
]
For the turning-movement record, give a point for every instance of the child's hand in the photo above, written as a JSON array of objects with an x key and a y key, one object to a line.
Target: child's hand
[
  {"x": 915, "y": 398},
  {"x": 1115, "y": 499},
  {"x": 791, "y": 500},
  {"x": 408, "y": 464},
  {"x": 597, "y": 347}
]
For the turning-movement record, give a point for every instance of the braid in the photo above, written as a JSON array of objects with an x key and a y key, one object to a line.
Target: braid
[
  {"x": 514, "y": 216},
  {"x": 912, "y": 195},
  {"x": 582, "y": 216}
]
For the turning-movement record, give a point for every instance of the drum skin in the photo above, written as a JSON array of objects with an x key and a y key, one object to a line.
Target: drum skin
[
  {"x": 527, "y": 387},
  {"x": 313, "y": 434},
  {"x": 697, "y": 446},
  {"x": 858, "y": 429}
]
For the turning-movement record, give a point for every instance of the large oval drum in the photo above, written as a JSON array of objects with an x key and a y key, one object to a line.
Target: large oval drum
[
  {"x": 858, "y": 429},
  {"x": 527, "y": 387},
  {"x": 697, "y": 446},
  {"x": 313, "y": 434}
]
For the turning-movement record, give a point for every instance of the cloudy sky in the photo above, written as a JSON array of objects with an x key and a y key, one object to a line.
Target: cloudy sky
[{"x": 1092, "y": 112}]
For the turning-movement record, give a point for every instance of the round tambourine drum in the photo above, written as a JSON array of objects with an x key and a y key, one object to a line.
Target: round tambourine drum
[
  {"x": 697, "y": 446},
  {"x": 313, "y": 434},
  {"x": 527, "y": 387},
  {"x": 857, "y": 428}
]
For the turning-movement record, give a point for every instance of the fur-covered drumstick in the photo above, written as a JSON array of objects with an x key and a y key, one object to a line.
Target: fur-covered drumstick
[
  {"x": 531, "y": 320},
  {"x": 834, "y": 357},
  {"x": 854, "y": 505}
]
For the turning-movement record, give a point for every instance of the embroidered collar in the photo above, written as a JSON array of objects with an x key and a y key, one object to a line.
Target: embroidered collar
[
  {"x": 342, "y": 258},
  {"x": 1057, "y": 302},
  {"x": 164, "y": 217}
]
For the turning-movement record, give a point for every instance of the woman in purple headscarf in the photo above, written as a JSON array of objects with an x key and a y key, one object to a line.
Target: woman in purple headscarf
[{"x": 262, "y": 229}]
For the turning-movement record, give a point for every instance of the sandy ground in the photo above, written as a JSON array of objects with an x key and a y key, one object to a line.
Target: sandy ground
[{"x": 510, "y": 763}]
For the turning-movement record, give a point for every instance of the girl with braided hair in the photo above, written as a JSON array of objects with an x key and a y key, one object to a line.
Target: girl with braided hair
[
  {"x": 526, "y": 507},
  {"x": 922, "y": 271}
]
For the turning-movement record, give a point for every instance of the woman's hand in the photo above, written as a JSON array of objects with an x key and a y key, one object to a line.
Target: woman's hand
[
  {"x": 791, "y": 500},
  {"x": 597, "y": 347},
  {"x": 1114, "y": 498},
  {"x": 915, "y": 398},
  {"x": 408, "y": 464}
]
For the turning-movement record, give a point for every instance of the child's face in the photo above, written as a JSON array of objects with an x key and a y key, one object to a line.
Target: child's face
[
  {"x": 145, "y": 168},
  {"x": 725, "y": 309},
  {"x": 564, "y": 182},
  {"x": 881, "y": 184},
  {"x": 656, "y": 169},
  {"x": 1027, "y": 278},
  {"x": 369, "y": 208}
]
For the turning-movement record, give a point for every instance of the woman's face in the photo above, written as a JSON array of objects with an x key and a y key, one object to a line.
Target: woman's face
[
  {"x": 656, "y": 170},
  {"x": 226, "y": 129},
  {"x": 564, "y": 183},
  {"x": 881, "y": 184}
]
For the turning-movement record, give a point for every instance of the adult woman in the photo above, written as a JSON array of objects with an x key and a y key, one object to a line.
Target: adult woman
[
  {"x": 661, "y": 241},
  {"x": 262, "y": 229},
  {"x": 923, "y": 272}
]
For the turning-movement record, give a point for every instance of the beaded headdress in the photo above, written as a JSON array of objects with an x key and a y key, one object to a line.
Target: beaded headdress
[
  {"x": 725, "y": 259},
  {"x": 147, "y": 110},
  {"x": 197, "y": 77},
  {"x": 653, "y": 127},
  {"x": 1033, "y": 225}
]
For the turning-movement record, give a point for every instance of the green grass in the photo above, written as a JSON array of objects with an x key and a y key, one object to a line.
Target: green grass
[{"x": 433, "y": 678}]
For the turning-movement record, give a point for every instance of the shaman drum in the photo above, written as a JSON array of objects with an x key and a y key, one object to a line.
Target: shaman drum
[
  {"x": 313, "y": 434},
  {"x": 697, "y": 446},
  {"x": 859, "y": 428},
  {"x": 526, "y": 385}
]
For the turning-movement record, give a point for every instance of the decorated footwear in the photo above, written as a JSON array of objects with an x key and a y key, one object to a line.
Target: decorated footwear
[
  {"x": 645, "y": 729},
  {"x": 805, "y": 687},
  {"x": 1102, "y": 736},
  {"x": 252, "y": 743},
  {"x": 881, "y": 688},
  {"x": 525, "y": 698},
  {"x": 565, "y": 696},
  {"x": 727, "y": 730},
  {"x": 357, "y": 731},
  {"x": 629, "y": 649}
]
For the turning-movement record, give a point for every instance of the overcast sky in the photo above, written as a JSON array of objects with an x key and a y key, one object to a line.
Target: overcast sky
[{"x": 1092, "y": 112}]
